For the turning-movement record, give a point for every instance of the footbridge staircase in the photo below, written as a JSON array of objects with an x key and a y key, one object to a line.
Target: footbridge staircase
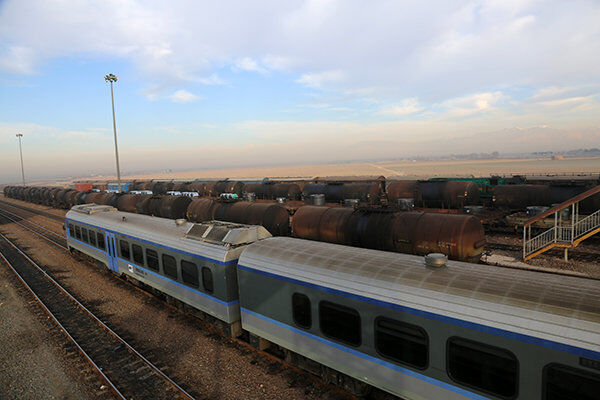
[{"x": 566, "y": 233}]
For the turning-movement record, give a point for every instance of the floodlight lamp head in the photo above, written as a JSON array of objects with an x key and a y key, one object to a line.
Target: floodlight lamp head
[{"x": 111, "y": 78}]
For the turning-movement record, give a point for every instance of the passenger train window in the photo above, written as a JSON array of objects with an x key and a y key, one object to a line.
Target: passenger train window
[
  {"x": 138, "y": 254},
  {"x": 169, "y": 266},
  {"x": 71, "y": 230},
  {"x": 78, "y": 232},
  {"x": 92, "y": 238},
  {"x": 189, "y": 273},
  {"x": 340, "y": 323},
  {"x": 301, "y": 310},
  {"x": 207, "y": 279},
  {"x": 124, "y": 248},
  {"x": 100, "y": 237},
  {"x": 562, "y": 382},
  {"x": 152, "y": 259},
  {"x": 484, "y": 367},
  {"x": 84, "y": 235},
  {"x": 401, "y": 342}
]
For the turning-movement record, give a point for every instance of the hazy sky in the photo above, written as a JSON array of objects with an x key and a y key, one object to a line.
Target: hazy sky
[{"x": 212, "y": 84}]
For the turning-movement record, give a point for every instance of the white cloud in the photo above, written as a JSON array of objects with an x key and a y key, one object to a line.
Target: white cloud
[
  {"x": 182, "y": 96},
  {"x": 472, "y": 104},
  {"x": 248, "y": 64},
  {"x": 19, "y": 60},
  {"x": 319, "y": 79},
  {"x": 434, "y": 51},
  {"x": 406, "y": 107},
  {"x": 213, "y": 79}
]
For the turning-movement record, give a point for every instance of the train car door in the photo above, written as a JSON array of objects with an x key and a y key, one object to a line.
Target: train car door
[{"x": 111, "y": 246}]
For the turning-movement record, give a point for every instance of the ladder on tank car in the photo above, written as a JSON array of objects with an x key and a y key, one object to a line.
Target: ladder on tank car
[{"x": 564, "y": 234}]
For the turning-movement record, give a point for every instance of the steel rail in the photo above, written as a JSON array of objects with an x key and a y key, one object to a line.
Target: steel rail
[
  {"x": 33, "y": 223},
  {"x": 96, "y": 319},
  {"x": 37, "y": 233},
  {"x": 97, "y": 369},
  {"x": 33, "y": 211}
]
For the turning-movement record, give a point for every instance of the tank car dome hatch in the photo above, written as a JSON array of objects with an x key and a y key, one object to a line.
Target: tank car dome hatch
[
  {"x": 92, "y": 208},
  {"x": 226, "y": 233}
]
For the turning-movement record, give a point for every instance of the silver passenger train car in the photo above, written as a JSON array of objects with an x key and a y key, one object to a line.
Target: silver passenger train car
[
  {"x": 461, "y": 331},
  {"x": 193, "y": 263}
]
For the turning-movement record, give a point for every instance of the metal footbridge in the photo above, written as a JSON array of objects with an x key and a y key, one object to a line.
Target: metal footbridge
[{"x": 566, "y": 233}]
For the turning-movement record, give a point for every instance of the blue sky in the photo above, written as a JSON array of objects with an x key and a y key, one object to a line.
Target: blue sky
[{"x": 236, "y": 83}]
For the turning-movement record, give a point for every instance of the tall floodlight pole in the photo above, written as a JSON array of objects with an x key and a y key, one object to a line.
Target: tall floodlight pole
[
  {"x": 20, "y": 135},
  {"x": 113, "y": 78}
]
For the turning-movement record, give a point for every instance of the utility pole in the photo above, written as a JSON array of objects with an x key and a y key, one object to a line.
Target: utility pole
[
  {"x": 20, "y": 135},
  {"x": 113, "y": 78}
]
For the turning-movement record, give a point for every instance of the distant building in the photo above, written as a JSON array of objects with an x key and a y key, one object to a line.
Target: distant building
[{"x": 557, "y": 157}]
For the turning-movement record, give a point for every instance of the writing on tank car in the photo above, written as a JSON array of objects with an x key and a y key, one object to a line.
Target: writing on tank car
[
  {"x": 192, "y": 263},
  {"x": 455, "y": 331},
  {"x": 460, "y": 237}
]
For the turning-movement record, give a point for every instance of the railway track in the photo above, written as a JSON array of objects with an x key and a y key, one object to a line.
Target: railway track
[
  {"x": 47, "y": 234},
  {"x": 574, "y": 254},
  {"x": 126, "y": 372},
  {"x": 32, "y": 211}
]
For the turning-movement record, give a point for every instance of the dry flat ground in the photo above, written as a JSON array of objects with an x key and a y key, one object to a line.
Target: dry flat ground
[
  {"x": 32, "y": 365},
  {"x": 389, "y": 169}
]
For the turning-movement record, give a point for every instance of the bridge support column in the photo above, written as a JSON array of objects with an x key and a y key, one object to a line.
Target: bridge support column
[{"x": 566, "y": 254}]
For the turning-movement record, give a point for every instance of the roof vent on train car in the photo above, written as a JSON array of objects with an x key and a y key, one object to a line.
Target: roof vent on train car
[
  {"x": 436, "y": 260},
  {"x": 92, "y": 208},
  {"x": 226, "y": 233},
  {"x": 180, "y": 221}
]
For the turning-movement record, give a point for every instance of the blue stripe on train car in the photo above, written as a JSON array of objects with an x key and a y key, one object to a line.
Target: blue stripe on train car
[
  {"x": 367, "y": 357},
  {"x": 454, "y": 321},
  {"x": 156, "y": 244},
  {"x": 161, "y": 276}
]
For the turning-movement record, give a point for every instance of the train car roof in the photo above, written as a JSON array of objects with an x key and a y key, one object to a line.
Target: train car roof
[
  {"x": 541, "y": 305},
  {"x": 223, "y": 243}
]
